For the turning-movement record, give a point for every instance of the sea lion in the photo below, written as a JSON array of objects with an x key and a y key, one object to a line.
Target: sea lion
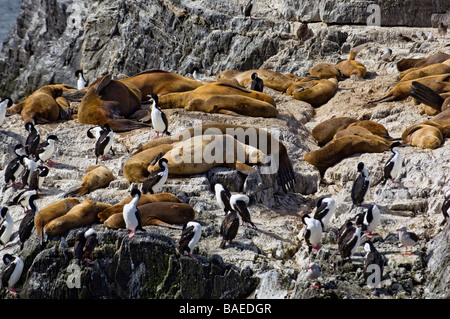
[
  {"x": 406, "y": 64},
  {"x": 423, "y": 136},
  {"x": 160, "y": 214},
  {"x": 438, "y": 83},
  {"x": 373, "y": 127},
  {"x": 98, "y": 176},
  {"x": 113, "y": 102},
  {"x": 272, "y": 79},
  {"x": 316, "y": 92},
  {"x": 223, "y": 98},
  {"x": 426, "y": 95},
  {"x": 143, "y": 199},
  {"x": 325, "y": 70},
  {"x": 351, "y": 67},
  {"x": 44, "y": 105},
  {"x": 429, "y": 70},
  {"x": 271, "y": 145},
  {"x": 345, "y": 146},
  {"x": 82, "y": 214},
  {"x": 324, "y": 131},
  {"x": 52, "y": 211},
  {"x": 161, "y": 82}
]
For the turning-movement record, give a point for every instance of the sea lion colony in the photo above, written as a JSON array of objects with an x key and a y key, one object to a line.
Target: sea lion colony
[{"x": 122, "y": 105}]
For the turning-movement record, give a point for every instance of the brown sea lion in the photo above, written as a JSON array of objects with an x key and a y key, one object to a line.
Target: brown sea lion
[
  {"x": 82, "y": 214},
  {"x": 143, "y": 199},
  {"x": 405, "y": 64},
  {"x": 423, "y": 136},
  {"x": 351, "y": 67},
  {"x": 316, "y": 92},
  {"x": 373, "y": 127},
  {"x": 52, "y": 211},
  {"x": 426, "y": 95},
  {"x": 223, "y": 98},
  {"x": 43, "y": 105},
  {"x": 272, "y": 79},
  {"x": 324, "y": 131},
  {"x": 113, "y": 102},
  {"x": 325, "y": 70},
  {"x": 439, "y": 83},
  {"x": 285, "y": 174},
  {"x": 98, "y": 176},
  {"x": 161, "y": 82},
  {"x": 429, "y": 70},
  {"x": 160, "y": 214},
  {"x": 345, "y": 146}
]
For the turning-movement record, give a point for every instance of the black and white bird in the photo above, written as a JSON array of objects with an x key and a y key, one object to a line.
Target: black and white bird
[
  {"x": 15, "y": 167},
  {"x": 313, "y": 233},
  {"x": 348, "y": 240},
  {"x": 6, "y": 227},
  {"x": 313, "y": 273},
  {"x": 190, "y": 235},
  {"x": 33, "y": 139},
  {"x": 325, "y": 208},
  {"x": 104, "y": 142},
  {"x": 157, "y": 178},
  {"x": 85, "y": 243},
  {"x": 248, "y": 8},
  {"x": 22, "y": 199},
  {"x": 257, "y": 83},
  {"x": 386, "y": 55},
  {"x": 81, "y": 81},
  {"x": 369, "y": 220},
  {"x": 445, "y": 209},
  {"x": 4, "y": 104},
  {"x": 12, "y": 273},
  {"x": 223, "y": 196},
  {"x": 159, "y": 118},
  {"x": 46, "y": 149},
  {"x": 27, "y": 224},
  {"x": 302, "y": 31},
  {"x": 3, "y": 211},
  {"x": 131, "y": 214},
  {"x": 229, "y": 228},
  {"x": 373, "y": 259},
  {"x": 30, "y": 167},
  {"x": 37, "y": 178},
  {"x": 407, "y": 239},
  {"x": 393, "y": 166},
  {"x": 239, "y": 203},
  {"x": 360, "y": 185}
]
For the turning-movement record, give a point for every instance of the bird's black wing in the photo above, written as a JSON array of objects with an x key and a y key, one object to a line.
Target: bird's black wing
[
  {"x": 89, "y": 246},
  {"x": 186, "y": 235},
  {"x": 101, "y": 143},
  {"x": 11, "y": 168},
  {"x": 321, "y": 211},
  {"x": 26, "y": 226},
  {"x": 41, "y": 148},
  {"x": 139, "y": 219},
  {"x": 32, "y": 142},
  {"x": 226, "y": 199},
  {"x": 151, "y": 180},
  {"x": 359, "y": 189},
  {"x": 79, "y": 245},
  {"x": 166, "y": 123},
  {"x": 387, "y": 169}
]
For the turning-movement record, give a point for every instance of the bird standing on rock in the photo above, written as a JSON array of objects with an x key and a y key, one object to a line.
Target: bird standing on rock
[
  {"x": 81, "y": 82},
  {"x": 229, "y": 228},
  {"x": 248, "y": 8},
  {"x": 313, "y": 273},
  {"x": 349, "y": 240},
  {"x": 159, "y": 118},
  {"x": 442, "y": 29},
  {"x": 239, "y": 203},
  {"x": 393, "y": 166},
  {"x": 131, "y": 214},
  {"x": 46, "y": 149},
  {"x": 360, "y": 185},
  {"x": 302, "y": 31},
  {"x": 257, "y": 83},
  {"x": 12, "y": 273},
  {"x": 223, "y": 196},
  {"x": 27, "y": 224},
  {"x": 407, "y": 239},
  {"x": 156, "y": 179},
  {"x": 325, "y": 208},
  {"x": 313, "y": 233},
  {"x": 190, "y": 236},
  {"x": 104, "y": 143},
  {"x": 33, "y": 139}
]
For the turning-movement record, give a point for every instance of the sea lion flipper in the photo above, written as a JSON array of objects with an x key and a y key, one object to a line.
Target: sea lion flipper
[
  {"x": 243, "y": 168},
  {"x": 228, "y": 112},
  {"x": 103, "y": 83},
  {"x": 159, "y": 222}
]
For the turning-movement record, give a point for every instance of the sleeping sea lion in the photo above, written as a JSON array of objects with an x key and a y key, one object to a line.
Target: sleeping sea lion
[
  {"x": 270, "y": 144},
  {"x": 44, "y": 105},
  {"x": 98, "y": 176},
  {"x": 429, "y": 70},
  {"x": 113, "y": 102},
  {"x": 52, "y": 211},
  {"x": 325, "y": 70},
  {"x": 336, "y": 150},
  {"x": 143, "y": 199},
  {"x": 405, "y": 64},
  {"x": 223, "y": 98},
  {"x": 438, "y": 83},
  {"x": 351, "y": 67},
  {"x": 316, "y": 92},
  {"x": 324, "y": 131},
  {"x": 160, "y": 214},
  {"x": 82, "y": 214},
  {"x": 161, "y": 82},
  {"x": 423, "y": 136}
]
